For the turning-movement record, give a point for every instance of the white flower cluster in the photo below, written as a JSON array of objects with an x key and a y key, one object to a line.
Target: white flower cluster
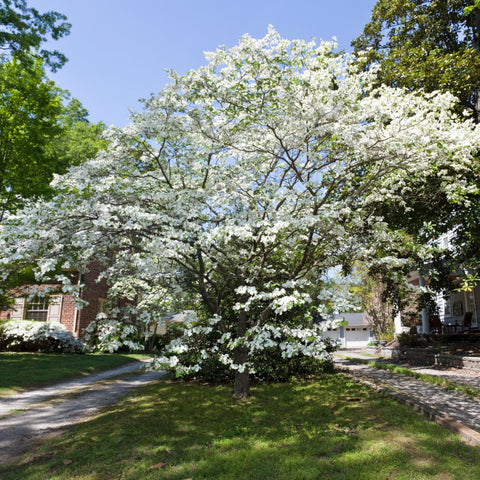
[
  {"x": 108, "y": 335},
  {"x": 291, "y": 341},
  {"x": 279, "y": 299}
]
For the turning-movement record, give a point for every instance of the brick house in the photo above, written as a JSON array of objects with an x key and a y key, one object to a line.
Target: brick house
[{"x": 61, "y": 308}]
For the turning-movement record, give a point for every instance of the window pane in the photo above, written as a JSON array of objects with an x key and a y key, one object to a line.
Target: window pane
[
  {"x": 39, "y": 315},
  {"x": 37, "y": 309}
]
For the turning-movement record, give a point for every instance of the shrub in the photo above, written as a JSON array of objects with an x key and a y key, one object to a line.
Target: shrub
[
  {"x": 32, "y": 336},
  {"x": 269, "y": 364},
  {"x": 417, "y": 340}
]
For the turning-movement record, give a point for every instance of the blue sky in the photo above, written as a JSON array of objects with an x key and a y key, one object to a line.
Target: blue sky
[{"x": 118, "y": 50}]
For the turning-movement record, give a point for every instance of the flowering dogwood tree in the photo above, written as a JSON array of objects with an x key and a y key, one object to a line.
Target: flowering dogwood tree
[{"x": 239, "y": 186}]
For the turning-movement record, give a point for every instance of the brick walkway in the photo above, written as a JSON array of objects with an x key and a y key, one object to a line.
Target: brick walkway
[{"x": 450, "y": 408}]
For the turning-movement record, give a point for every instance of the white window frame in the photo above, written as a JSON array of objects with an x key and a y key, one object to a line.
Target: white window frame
[{"x": 38, "y": 306}]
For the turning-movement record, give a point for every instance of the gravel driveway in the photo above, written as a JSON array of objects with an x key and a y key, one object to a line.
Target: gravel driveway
[{"x": 28, "y": 417}]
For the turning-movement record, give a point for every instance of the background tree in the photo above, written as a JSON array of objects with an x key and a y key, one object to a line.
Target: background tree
[
  {"x": 247, "y": 180},
  {"x": 43, "y": 130},
  {"x": 79, "y": 139},
  {"x": 426, "y": 45},
  {"x": 24, "y": 31},
  {"x": 40, "y": 133},
  {"x": 30, "y": 107},
  {"x": 430, "y": 45}
]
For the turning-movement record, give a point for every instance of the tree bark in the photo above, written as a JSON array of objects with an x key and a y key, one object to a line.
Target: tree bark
[{"x": 242, "y": 379}]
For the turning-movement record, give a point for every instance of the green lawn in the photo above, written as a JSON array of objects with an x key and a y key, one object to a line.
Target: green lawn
[
  {"x": 327, "y": 428},
  {"x": 22, "y": 371}
]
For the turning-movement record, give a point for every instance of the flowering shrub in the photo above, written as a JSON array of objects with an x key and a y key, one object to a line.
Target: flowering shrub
[
  {"x": 194, "y": 349},
  {"x": 107, "y": 335},
  {"x": 32, "y": 336},
  {"x": 267, "y": 366}
]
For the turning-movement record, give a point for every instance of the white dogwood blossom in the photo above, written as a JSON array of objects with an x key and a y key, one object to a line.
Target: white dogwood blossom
[{"x": 238, "y": 187}]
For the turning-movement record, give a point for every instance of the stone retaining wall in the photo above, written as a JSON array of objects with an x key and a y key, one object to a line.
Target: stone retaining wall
[{"x": 420, "y": 356}]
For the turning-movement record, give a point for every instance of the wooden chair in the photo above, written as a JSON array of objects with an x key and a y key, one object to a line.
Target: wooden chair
[
  {"x": 467, "y": 321},
  {"x": 435, "y": 324}
]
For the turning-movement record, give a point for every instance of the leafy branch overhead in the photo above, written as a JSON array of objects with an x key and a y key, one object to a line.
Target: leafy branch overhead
[
  {"x": 469, "y": 10},
  {"x": 25, "y": 30},
  {"x": 426, "y": 45}
]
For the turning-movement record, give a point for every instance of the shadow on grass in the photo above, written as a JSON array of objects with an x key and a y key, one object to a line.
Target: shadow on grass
[
  {"x": 326, "y": 428},
  {"x": 22, "y": 371}
]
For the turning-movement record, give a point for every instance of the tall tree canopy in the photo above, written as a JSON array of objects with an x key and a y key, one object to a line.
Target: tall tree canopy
[
  {"x": 244, "y": 182},
  {"x": 426, "y": 44},
  {"x": 430, "y": 45},
  {"x": 24, "y": 31},
  {"x": 42, "y": 132},
  {"x": 29, "y": 109}
]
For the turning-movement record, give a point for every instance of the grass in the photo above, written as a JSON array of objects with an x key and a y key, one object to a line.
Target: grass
[
  {"x": 330, "y": 428},
  {"x": 23, "y": 371},
  {"x": 435, "y": 380}
]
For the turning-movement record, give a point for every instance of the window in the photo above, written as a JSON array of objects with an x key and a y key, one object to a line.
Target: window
[
  {"x": 457, "y": 308},
  {"x": 470, "y": 302},
  {"x": 37, "y": 309},
  {"x": 102, "y": 305},
  {"x": 444, "y": 242}
]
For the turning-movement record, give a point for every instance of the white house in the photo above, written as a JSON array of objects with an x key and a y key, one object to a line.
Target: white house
[{"x": 456, "y": 309}]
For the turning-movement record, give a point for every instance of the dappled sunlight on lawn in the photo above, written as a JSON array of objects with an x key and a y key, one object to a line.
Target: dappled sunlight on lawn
[{"x": 324, "y": 429}]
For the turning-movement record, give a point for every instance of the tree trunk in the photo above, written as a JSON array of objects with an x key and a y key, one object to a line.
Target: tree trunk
[{"x": 242, "y": 379}]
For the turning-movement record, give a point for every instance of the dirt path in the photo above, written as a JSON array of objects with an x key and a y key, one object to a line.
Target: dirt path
[{"x": 51, "y": 409}]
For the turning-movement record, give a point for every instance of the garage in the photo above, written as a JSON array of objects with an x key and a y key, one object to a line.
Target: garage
[
  {"x": 334, "y": 334},
  {"x": 354, "y": 332},
  {"x": 357, "y": 336}
]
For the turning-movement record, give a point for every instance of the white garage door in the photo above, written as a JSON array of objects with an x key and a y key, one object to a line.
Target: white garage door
[
  {"x": 356, "y": 337},
  {"x": 333, "y": 334}
]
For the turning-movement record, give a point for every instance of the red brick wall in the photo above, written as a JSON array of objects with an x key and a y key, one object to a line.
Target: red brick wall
[
  {"x": 91, "y": 292},
  {"x": 73, "y": 319},
  {"x": 67, "y": 317}
]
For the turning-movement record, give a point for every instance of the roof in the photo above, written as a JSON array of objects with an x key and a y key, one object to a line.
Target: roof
[{"x": 353, "y": 319}]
